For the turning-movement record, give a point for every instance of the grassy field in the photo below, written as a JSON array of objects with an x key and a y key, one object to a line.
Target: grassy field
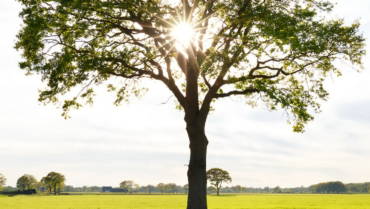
[{"x": 178, "y": 202}]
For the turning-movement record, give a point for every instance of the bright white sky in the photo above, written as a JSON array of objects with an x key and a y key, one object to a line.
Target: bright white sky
[{"x": 145, "y": 141}]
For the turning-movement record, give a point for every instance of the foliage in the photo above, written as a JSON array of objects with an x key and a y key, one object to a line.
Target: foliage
[
  {"x": 69, "y": 188},
  {"x": 9, "y": 189},
  {"x": 171, "y": 188},
  {"x": 127, "y": 184},
  {"x": 148, "y": 189},
  {"x": 329, "y": 188},
  {"x": 277, "y": 189},
  {"x": 358, "y": 188},
  {"x": 2, "y": 181},
  {"x": 26, "y": 182},
  {"x": 275, "y": 52},
  {"x": 217, "y": 176},
  {"x": 161, "y": 187},
  {"x": 167, "y": 188},
  {"x": 54, "y": 182},
  {"x": 178, "y": 201}
]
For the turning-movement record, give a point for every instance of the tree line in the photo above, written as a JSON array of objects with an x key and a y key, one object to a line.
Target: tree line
[
  {"x": 54, "y": 183},
  {"x": 335, "y": 187}
]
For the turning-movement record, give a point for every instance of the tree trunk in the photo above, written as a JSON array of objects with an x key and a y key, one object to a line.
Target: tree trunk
[
  {"x": 197, "y": 179},
  {"x": 218, "y": 190}
]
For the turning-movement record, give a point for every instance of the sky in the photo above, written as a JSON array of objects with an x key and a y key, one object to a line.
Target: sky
[{"x": 145, "y": 140}]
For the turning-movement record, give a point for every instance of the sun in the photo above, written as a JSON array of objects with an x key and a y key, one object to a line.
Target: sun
[{"x": 184, "y": 34}]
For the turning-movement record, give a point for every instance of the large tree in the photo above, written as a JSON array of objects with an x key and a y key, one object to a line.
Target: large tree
[
  {"x": 266, "y": 51},
  {"x": 54, "y": 182},
  {"x": 217, "y": 176},
  {"x": 26, "y": 182}
]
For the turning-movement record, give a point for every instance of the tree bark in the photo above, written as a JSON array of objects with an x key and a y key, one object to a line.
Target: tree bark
[{"x": 197, "y": 178}]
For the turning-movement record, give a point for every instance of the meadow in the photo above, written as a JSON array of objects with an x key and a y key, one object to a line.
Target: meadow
[{"x": 248, "y": 201}]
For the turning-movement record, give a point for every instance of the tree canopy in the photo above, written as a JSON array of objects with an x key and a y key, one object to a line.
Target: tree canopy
[
  {"x": 329, "y": 187},
  {"x": 54, "y": 182},
  {"x": 277, "y": 52},
  {"x": 217, "y": 176},
  {"x": 26, "y": 182},
  {"x": 127, "y": 184}
]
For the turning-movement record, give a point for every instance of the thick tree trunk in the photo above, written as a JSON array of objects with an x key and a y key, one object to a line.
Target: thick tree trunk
[{"x": 197, "y": 179}]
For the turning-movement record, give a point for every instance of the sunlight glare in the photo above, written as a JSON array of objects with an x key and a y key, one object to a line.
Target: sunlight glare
[{"x": 184, "y": 34}]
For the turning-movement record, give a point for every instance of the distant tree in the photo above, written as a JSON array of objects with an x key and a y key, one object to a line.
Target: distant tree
[
  {"x": 26, "y": 182},
  {"x": 40, "y": 187},
  {"x": 296, "y": 190},
  {"x": 46, "y": 182},
  {"x": 217, "y": 176},
  {"x": 2, "y": 181},
  {"x": 335, "y": 187},
  {"x": 276, "y": 52},
  {"x": 238, "y": 189},
  {"x": 277, "y": 189},
  {"x": 358, "y": 187},
  {"x": 69, "y": 188},
  {"x": 148, "y": 189},
  {"x": 9, "y": 189},
  {"x": 127, "y": 184},
  {"x": 266, "y": 189},
  {"x": 161, "y": 187},
  {"x": 135, "y": 188},
  {"x": 54, "y": 182},
  {"x": 95, "y": 189},
  {"x": 171, "y": 188}
]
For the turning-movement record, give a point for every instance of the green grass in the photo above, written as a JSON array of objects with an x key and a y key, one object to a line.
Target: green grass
[{"x": 257, "y": 201}]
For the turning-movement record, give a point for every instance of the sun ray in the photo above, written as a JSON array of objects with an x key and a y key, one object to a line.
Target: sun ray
[{"x": 183, "y": 34}]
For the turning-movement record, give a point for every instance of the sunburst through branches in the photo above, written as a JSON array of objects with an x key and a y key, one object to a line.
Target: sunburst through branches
[{"x": 184, "y": 34}]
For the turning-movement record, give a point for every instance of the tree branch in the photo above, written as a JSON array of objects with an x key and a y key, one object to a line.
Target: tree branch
[{"x": 246, "y": 91}]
